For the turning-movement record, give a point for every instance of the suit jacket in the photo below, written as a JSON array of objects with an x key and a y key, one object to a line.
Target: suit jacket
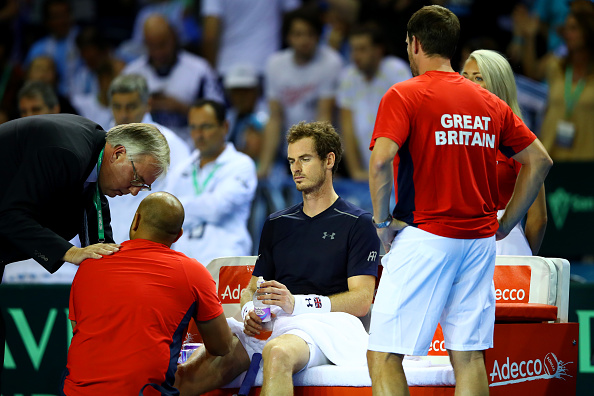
[{"x": 44, "y": 164}]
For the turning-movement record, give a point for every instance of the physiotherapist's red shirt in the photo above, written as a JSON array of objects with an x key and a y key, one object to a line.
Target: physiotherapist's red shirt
[{"x": 131, "y": 311}]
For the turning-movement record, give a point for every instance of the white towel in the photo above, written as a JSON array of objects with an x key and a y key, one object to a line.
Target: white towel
[{"x": 340, "y": 336}]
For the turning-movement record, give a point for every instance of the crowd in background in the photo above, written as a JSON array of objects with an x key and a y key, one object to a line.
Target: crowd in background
[{"x": 272, "y": 72}]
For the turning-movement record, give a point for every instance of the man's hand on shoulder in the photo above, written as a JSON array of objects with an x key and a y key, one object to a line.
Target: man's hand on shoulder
[{"x": 76, "y": 255}]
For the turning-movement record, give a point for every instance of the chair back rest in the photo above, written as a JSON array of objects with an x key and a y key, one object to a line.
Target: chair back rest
[{"x": 231, "y": 274}]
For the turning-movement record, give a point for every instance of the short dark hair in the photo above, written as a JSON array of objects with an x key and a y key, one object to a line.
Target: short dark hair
[
  {"x": 437, "y": 29},
  {"x": 310, "y": 14},
  {"x": 218, "y": 107},
  {"x": 33, "y": 89},
  {"x": 373, "y": 31},
  {"x": 326, "y": 139}
]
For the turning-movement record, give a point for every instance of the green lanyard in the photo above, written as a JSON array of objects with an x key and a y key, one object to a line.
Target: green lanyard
[
  {"x": 199, "y": 189},
  {"x": 97, "y": 200},
  {"x": 572, "y": 98}
]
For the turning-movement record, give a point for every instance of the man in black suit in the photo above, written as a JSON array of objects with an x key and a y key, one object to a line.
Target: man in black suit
[{"x": 55, "y": 172}]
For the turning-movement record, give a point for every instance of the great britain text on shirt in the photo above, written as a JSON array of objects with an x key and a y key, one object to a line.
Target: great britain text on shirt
[{"x": 460, "y": 137}]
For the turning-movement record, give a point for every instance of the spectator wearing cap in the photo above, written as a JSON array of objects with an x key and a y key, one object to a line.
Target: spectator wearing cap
[{"x": 247, "y": 114}]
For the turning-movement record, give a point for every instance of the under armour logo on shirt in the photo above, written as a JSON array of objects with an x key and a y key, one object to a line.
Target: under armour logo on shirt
[
  {"x": 309, "y": 304},
  {"x": 372, "y": 255},
  {"x": 328, "y": 235}
]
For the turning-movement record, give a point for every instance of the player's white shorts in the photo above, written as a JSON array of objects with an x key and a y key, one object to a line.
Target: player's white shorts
[
  {"x": 429, "y": 279},
  {"x": 253, "y": 345}
]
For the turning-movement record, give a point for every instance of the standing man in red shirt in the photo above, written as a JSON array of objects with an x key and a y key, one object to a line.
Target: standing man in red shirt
[
  {"x": 130, "y": 311},
  {"x": 436, "y": 138}
]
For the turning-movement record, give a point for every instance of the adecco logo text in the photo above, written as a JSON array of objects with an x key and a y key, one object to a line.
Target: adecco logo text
[
  {"x": 530, "y": 370},
  {"x": 513, "y": 295},
  {"x": 437, "y": 345}
]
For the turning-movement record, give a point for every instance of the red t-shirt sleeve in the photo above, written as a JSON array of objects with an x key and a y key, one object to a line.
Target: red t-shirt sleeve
[
  {"x": 515, "y": 135},
  {"x": 393, "y": 117},
  {"x": 204, "y": 287}
]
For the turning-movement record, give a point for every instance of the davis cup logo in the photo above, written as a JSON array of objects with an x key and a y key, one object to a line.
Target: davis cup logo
[{"x": 531, "y": 370}]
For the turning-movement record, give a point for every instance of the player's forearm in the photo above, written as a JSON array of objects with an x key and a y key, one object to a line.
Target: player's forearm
[
  {"x": 247, "y": 294},
  {"x": 528, "y": 184},
  {"x": 355, "y": 302},
  {"x": 536, "y": 222},
  {"x": 380, "y": 185}
]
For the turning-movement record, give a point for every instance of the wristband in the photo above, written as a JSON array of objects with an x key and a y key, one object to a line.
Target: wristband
[
  {"x": 311, "y": 303},
  {"x": 249, "y": 306}
]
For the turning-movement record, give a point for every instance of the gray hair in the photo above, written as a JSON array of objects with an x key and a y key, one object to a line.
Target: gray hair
[
  {"x": 129, "y": 83},
  {"x": 33, "y": 89},
  {"x": 498, "y": 76},
  {"x": 141, "y": 140}
]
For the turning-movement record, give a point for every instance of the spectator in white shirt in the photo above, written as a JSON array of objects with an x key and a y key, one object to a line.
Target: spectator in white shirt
[
  {"x": 362, "y": 86},
  {"x": 301, "y": 83}
]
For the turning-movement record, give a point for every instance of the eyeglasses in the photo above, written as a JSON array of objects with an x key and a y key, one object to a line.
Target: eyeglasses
[{"x": 137, "y": 182}]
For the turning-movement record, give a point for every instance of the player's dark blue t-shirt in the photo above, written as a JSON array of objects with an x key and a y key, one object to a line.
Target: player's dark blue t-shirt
[{"x": 316, "y": 255}]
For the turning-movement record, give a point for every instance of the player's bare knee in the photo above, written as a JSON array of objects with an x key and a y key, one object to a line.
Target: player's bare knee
[{"x": 277, "y": 357}]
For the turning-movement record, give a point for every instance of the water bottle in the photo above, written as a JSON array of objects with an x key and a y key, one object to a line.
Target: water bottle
[{"x": 263, "y": 311}]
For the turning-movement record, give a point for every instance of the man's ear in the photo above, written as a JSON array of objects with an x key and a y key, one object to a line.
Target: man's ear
[
  {"x": 416, "y": 45},
  {"x": 330, "y": 160},
  {"x": 117, "y": 152},
  {"x": 179, "y": 234},
  {"x": 136, "y": 221}
]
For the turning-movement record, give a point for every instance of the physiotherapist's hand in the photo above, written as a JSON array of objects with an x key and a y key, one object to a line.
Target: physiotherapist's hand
[
  {"x": 76, "y": 255},
  {"x": 387, "y": 235},
  {"x": 277, "y": 294}
]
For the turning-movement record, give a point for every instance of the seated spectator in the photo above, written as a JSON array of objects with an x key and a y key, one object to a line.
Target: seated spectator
[
  {"x": 95, "y": 53},
  {"x": 492, "y": 71},
  {"x": 95, "y": 106},
  {"x": 179, "y": 13},
  {"x": 247, "y": 116},
  {"x": 216, "y": 185},
  {"x": 35, "y": 98},
  {"x": 130, "y": 310},
  {"x": 301, "y": 83},
  {"x": 60, "y": 43},
  {"x": 323, "y": 249},
  {"x": 362, "y": 86},
  {"x": 43, "y": 68},
  {"x": 175, "y": 77},
  {"x": 235, "y": 34},
  {"x": 128, "y": 97}
]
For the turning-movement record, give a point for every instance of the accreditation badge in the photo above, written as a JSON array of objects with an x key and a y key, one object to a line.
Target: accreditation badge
[{"x": 565, "y": 133}]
